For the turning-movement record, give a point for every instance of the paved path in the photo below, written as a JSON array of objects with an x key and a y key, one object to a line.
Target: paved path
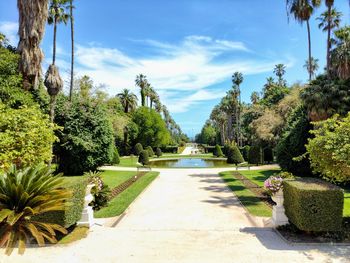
[
  {"x": 188, "y": 150},
  {"x": 185, "y": 216}
]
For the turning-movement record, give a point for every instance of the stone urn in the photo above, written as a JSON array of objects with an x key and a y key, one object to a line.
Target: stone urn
[
  {"x": 87, "y": 216},
  {"x": 279, "y": 217}
]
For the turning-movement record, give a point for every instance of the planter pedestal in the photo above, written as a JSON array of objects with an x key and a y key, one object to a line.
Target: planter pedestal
[
  {"x": 87, "y": 216},
  {"x": 279, "y": 217}
]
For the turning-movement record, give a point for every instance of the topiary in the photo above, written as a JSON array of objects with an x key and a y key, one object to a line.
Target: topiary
[
  {"x": 116, "y": 157},
  {"x": 245, "y": 151},
  {"x": 218, "y": 151},
  {"x": 138, "y": 149},
  {"x": 268, "y": 155},
  {"x": 144, "y": 158},
  {"x": 234, "y": 156},
  {"x": 255, "y": 155},
  {"x": 150, "y": 151},
  {"x": 158, "y": 152}
]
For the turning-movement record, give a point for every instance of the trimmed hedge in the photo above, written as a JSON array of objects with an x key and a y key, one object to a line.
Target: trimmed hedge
[
  {"x": 138, "y": 149},
  {"x": 144, "y": 157},
  {"x": 313, "y": 205},
  {"x": 116, "y": 157},
  {"x": 255, "y": 155},
  {"x": 268, "y": 155},
  {"x": 158, "y": 152},
  {"x": 218, "y": 151},
  {"x": 245, "y": 152},
  {"x": 150, "y": 151},
  {"x": 234, "y": 156},
  {"x": 169, "y": 149},
  {"x": 74, "y": 206}
]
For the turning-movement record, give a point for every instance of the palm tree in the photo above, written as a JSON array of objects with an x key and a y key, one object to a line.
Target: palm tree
[
  {"x": 302, "y": 11},
  {"x": 329, "y": 20},
  {"x": 313, "y": 67},
  {"x": 32, "y": 20},
  {"x": 280, "y": 70},
  {"x": 157, "y": 105},
  {"x": 237, "y": 79},
  {"x": 71, "y": 7},
  {"x": 128, "y": 100},
  {"x": 152, "y": 95},
  {"x": 254, "y": 98},
  {"x": 53, "y": 80},
  {"x": 141, "y": 82},
  {"x": 340, "y": 55}
]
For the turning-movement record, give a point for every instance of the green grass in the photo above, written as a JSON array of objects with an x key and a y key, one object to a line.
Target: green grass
[
  {"x": 115, "y": 178},
  {"x": 120, "y": 203},
  {"x": 251, "y": 202},
  {"x": 78, "y": 233},
  {"x": 346, "y": 211},
  {"x": 258, "y": 176}
]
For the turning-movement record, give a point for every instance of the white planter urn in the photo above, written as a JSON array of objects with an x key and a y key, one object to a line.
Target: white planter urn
[
  {"x": 279, "y": 217},
  {"x": 87, "y": 216}
]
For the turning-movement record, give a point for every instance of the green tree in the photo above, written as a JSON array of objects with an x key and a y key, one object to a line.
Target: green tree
[
  {"x": 71, "y": 17},
  {"x": 340, "y": 54},
  {"x": 234, "y": 156},
  {"x": 144, "y": 158},
  {"x": 128, "y": 100},
  {"x": 150, "y": 151},
  {"x": 280, "y": 70},
  {"x": 138, "y": 148},
  {"x": 313, "y": 67},
  {"x": 218, "y": 151},
  {"x": 237, "y": 79},
  {"x": 141, "y": 82},
  {"x": 158, "y": 152}
]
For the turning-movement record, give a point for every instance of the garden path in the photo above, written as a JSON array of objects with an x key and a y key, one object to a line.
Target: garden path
[{"x": 185, "y": 215}]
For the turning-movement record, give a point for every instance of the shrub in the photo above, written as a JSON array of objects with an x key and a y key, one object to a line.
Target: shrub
[
  {"x": 218, "y": 151},
  {"x": 74, "y": 205},
  {"x": 182, "y": 144},
  {"x": 100, "y": 191},
  {"x": 255, "y": 155},
  {"x": 268, "y": 155},
  {"x": 144, "y": 158},
  {"x": 329, "y": 150},
  {"x": 158, "y": 152},
  {"x": 234, "y": 156},
  {"x": 313, "y": 205},
  {"x": 138, "y": 149},
  {"x": 150, "y": 151},
  {"x": 24, "y": 194},
  {"x": 245, "y": 152},
  {"x": 26, "y": 136},
  {"x": 116, "y": 157},
  {"x": 86, "y": 141}
]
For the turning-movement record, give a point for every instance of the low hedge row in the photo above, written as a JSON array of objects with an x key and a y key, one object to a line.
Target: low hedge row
[
  {"x": 74, "y": 205},
  {"x": 313, "y": 205}
]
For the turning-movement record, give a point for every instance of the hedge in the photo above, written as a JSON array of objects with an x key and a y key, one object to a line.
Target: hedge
[
  {"x": 234, "y": 156},
  {"x": 268, "y": 155},
  {"x": 255, "y": 155},
  {"x": 138, "y": 148},
  {"x": 150, "y": 151},
  {"x": 144, "y": 158},
  {"x": 169, "y": 149},
  {"x": 313, "y": 205},
  {"x": 218, "y": 151},
  {"x": 245, "y": 152},
  {"x": 74, "y": 205}
]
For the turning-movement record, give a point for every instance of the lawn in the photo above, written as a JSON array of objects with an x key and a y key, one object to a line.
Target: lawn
[
  {"x": 346, "y": 211},
  {"x": 251, "y": 202},
  {"x": 120, "y": 203},
  {"x": 115, "y": 178}
]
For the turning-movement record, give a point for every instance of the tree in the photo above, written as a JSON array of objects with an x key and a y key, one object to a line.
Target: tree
[
  {"x": 158, "y": 152},
  {"x": 313, "y": 67},
  {"x": 237, "y": 79},
  {"x": 234, "y": 156},
  {"x": 32, "y": 21},
  {"x": 144, "y": 158},
  {"x": 141, "y": 82},
  {"x": 280, "y": 70},
  {"x": 254, "y": 98},
  {"x": 71, "y": 16},
  {"x": 302, "y": 11},
  {"x": 138, "y": 148},
  {"x": 255, "y": 155},
  {"x": 340, "y": 54},
  {"x": 329, "y": 20},
  {"x": 218, "y": 151},
  {"x": 150, "y": 151},
  {"x": 128, "y": 100}
]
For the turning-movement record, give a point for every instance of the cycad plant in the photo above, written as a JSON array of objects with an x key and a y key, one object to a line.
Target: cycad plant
[{"x": 24, "y": 194}]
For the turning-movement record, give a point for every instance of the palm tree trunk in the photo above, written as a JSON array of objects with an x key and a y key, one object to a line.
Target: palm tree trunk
[
  {"x": 309, "y": 41},
  {"x": 72, "y": 51},
  {"x": 151, "y": 103},
  {"x": 126, "y": 109},
  {"x": 54, "y": 42},
  {"x": 329, "y": 38},
  {"x": 53, "y": 100}
]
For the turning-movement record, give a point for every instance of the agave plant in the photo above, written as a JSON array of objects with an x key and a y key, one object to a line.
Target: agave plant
[{"x": 23, "y": 194}]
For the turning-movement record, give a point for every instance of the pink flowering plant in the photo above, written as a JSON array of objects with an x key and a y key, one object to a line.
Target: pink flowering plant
[{"x": 273, "y": 184}]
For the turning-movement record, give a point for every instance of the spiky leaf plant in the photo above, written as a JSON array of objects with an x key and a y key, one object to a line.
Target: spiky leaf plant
[{"x": 24, "y": 194}]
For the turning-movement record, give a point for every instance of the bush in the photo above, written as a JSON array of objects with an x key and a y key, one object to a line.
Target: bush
[
  {"x": 255, "y": 155},
  {"x": 138, "y": 149},
  {"x": 73, "y": 208},
  {"x": 116, "y": 157},
  {"x": 26, "y": 136},
  {"x": 150, "y": 151},
  {"x": 268, "y": 155},
  {"x": 182, "y": 144},
  {"x": 234, "y": 156},
  {"x": 86, "y": 141},
  {"x": 169, "y": 149},
  {"x": 158, "y": 152},
  {"x": 313, "y": 205},
  {"x": 144, "y": 158},
  {"x": 292, "y": 144},
  {"x": 218, "y": 151},
  {"x": 245, "y": 152}
]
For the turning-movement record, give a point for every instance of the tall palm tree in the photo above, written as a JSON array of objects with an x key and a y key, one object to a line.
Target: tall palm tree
[
  {"x": 32, "y": 20},
  {"x": 302, "y": 11},
  {"x": 152, "y": 95},
  {"x": 254, "y": 98},
  {"x": 71, "y": 7},
  {"x": 141, "y": 82},
  {"x": 313, "y": 67},
  {"x": 340, "y": 54},
  {"x": 53, "y": 80},
  {"x": 157, "y": 105},
  {"x": 237, "y": 79},
  {"x": 329, "y": 20},
  {"x": 128, "y": 100},
  {"x": 280, "y": 70}
]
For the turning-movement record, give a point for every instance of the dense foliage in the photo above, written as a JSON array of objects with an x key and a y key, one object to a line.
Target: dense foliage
[
  {"x": 138, "y": 148},
  {"x": 116, "y": 157},
  {"x": 234, "y": 156},
  {"x": 218, "y": 151},
  {"x": 144, "y": 158},
  {"x": 150, "y": 151},
  {"x": 255, "y": 155},
  {"x": 100, "y": 191},
  {"x": 159, "y": 152},
  {"x": 313, "y": 205}
]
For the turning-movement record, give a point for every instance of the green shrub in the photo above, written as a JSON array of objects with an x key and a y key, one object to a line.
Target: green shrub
[
  {"x": 218, "y": 151},
  {"x": 182, "y": 144},
  {"x": 116, "y": 157},
  {"x": 150, "y": 151},
  {"x": 144, "y": 158},
  {"x": 138, "y": 149},
  {"x": 234, "y": 156},
  {"x": 245, "y": 152},
  {"x": 268, "y": 155},
  {"x": 158, "y": 152},
  {"x": 86, "y": 141},
  {"x": 255, "y": 155},
  {"x": 26, "y": 136},
  {"x": 73, "y": 207},
  {"x": 100, "y": 191},
  {"x": 313, "y": 205}
]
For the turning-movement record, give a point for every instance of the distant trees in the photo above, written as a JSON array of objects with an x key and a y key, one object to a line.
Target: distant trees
[{"x": 128, "y": 100}]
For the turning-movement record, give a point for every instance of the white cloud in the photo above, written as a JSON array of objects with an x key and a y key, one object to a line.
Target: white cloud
[{"x": 10, "y": 30}]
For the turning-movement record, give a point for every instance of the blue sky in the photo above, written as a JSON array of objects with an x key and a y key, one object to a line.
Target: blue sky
[{"x": 187, "y": 48}]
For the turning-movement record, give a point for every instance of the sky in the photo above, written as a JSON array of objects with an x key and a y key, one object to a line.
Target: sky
[{"x": 188, "y": 49}]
